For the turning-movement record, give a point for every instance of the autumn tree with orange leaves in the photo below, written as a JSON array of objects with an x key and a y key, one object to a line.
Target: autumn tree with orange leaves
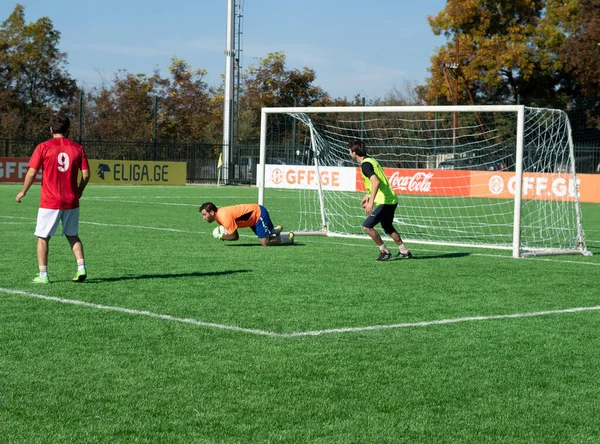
[
  {"x": 580, "y": 53},
  {"x": 501, "y": 51}
]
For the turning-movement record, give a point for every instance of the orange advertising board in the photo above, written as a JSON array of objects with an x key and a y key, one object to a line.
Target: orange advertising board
[
  {"x": 589, "y": 187},
  {"x": 538, "y": 186},
  {"x": 490, "y": 184}
]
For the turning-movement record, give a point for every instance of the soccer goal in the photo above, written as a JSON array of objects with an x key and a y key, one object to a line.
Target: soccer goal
[{"x": 479, "y": 176}]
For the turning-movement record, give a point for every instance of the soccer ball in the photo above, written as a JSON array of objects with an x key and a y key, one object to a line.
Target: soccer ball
[{"x": 219, "y": 231}]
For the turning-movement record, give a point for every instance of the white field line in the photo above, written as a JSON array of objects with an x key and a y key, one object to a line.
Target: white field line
[
  {"x": 369, "y": 245},
  {"x": 137, "y": 227},
  {"x": 299, "y": 333},
  {"x": 142, "y": 227},
  {"x": 150, "y": 203},
  {"x": 138, "y": 312},
  {"x": 17, "y": 217}
]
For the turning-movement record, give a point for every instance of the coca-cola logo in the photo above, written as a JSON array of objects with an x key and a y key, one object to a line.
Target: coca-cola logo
[{"x": 418, "y": 182}]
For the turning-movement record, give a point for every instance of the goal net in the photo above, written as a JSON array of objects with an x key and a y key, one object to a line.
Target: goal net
[{"x": 482, "y": 176}]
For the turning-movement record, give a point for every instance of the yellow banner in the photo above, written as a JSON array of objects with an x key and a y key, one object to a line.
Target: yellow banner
[{"x": 133, "y": 172}]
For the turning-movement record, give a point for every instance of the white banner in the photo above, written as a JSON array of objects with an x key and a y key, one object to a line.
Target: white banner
[{"x": 305, "y": 177}]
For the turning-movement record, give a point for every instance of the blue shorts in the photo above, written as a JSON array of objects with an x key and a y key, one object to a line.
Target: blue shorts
[{"x": 264, "y": 226}]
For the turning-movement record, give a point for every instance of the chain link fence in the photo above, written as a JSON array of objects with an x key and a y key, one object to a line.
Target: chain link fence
[{"x": 202, "y": 158}]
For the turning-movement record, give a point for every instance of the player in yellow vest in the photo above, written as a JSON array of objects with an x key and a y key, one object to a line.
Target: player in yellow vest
[{"x": 379, "y": 203}]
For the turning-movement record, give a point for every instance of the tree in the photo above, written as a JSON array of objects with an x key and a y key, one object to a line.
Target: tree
[
  {"x": 271, "y": 84},
  {"x": 33, "y": 78},
  {"x": 500, "y": 50},
  {"x": 187, "y": 109},
  {"x": 125, "y": 111},
  {"x": 580, "y": 53},
  {"x": 406, "y": 95}
]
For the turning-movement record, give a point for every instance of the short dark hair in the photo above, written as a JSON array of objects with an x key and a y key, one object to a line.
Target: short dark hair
[
  {"x": 208, "y": 206},
  {"x": 358, "y": 147},
  {"x": 60, "y": 124}
]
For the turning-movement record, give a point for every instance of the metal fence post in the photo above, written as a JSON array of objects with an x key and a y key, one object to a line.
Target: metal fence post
[
  {"x": 79, "y": 136},
  {"x": 154, "y": 140}
]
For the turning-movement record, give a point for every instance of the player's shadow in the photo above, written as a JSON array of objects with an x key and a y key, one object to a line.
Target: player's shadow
[
  {"x": 438, "y": 256},
  {"x": 131, "y": 277},
  {"x": 259, "y": 245},
  {"x": 593, "y": 246}
]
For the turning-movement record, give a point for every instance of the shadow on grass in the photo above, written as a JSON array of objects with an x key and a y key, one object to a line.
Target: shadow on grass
[
  {"x": 593, "y": 246},
  {"x": 131, "y": 277},
  {"x": 437, "y": 256},
  {"x": 259, "y": 245}
]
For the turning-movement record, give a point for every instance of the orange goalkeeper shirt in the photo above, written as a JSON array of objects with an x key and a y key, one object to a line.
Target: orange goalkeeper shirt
[{"x": 238, "y": 216}]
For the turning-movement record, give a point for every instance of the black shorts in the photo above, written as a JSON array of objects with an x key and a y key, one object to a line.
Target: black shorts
[{"x": 383, "y": 214}]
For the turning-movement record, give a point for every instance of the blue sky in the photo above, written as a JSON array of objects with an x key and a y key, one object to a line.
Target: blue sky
[{"x": 354, "y": 46}]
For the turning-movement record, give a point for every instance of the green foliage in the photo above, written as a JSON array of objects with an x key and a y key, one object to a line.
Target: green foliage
[
  {"x": 506, "y": 50},
  {"x": 541, "y": 52},
  {"x": 33, "y": 77},
  {"x": 187, "y": 110},
  {"x": 125, "y": 110},
  {"x": 580, "y": 52},
  {"x": 272, "y": 84},
  {"x": 580, "y": 55}
]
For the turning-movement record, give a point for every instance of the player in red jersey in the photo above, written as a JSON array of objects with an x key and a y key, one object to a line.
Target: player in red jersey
[{"x": 61, "y": 160}]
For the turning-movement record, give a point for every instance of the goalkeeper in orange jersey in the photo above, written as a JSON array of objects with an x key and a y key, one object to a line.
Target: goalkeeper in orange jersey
[
  {"x": 379, "y": 203},
  {"x": 254, "y": 216}
]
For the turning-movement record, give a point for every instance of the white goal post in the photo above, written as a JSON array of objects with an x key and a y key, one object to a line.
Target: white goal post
[{"x": 490, "y": 176}]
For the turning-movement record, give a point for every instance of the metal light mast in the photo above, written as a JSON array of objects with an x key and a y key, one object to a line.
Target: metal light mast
[
  {"x": 228, "y": 97},
  {"x": 238, "y": 69}
]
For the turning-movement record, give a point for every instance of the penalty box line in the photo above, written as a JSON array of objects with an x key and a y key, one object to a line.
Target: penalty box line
[
  {"x": 137, "y": 312},
  {"x": 300, "y": 333}
]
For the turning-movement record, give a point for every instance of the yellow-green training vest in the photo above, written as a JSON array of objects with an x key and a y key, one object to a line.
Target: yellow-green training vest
[{"x": 385, "y": 193}]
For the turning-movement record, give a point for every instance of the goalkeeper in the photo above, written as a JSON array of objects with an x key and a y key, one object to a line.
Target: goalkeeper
[
  {"x": 254, "y": 216},
  {"x": 379, "y": 203}
]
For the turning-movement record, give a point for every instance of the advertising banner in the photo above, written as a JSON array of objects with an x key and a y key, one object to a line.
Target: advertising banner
[
  {"x": 305, "y": 177},
  {"x": 449, "y": 183},
  {"x": 589, "y": 187},
  {"x": 13, "y": 169},
  {"x": 424, "y": 182},
  {"x": 538, "y": 186},
  {"x": 133, "y": 172}
]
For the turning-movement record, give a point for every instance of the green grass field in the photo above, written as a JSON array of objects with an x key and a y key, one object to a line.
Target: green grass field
[{"x": 178, "y": 337}]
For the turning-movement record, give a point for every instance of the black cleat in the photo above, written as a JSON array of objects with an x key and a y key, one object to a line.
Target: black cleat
[
  {"x": 383, "y": 256},
  {"x": 406, "y": 255}
]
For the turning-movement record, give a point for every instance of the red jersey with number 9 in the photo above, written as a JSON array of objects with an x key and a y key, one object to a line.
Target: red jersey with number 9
[{"x": 60, "y": 160}]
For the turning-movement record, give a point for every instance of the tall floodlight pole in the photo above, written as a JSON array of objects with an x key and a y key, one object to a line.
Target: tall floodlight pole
[{"x": 228, "y": 98}]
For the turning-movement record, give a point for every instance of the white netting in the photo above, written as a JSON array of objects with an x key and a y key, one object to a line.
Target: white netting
[{"x": 453, "y": 171}]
